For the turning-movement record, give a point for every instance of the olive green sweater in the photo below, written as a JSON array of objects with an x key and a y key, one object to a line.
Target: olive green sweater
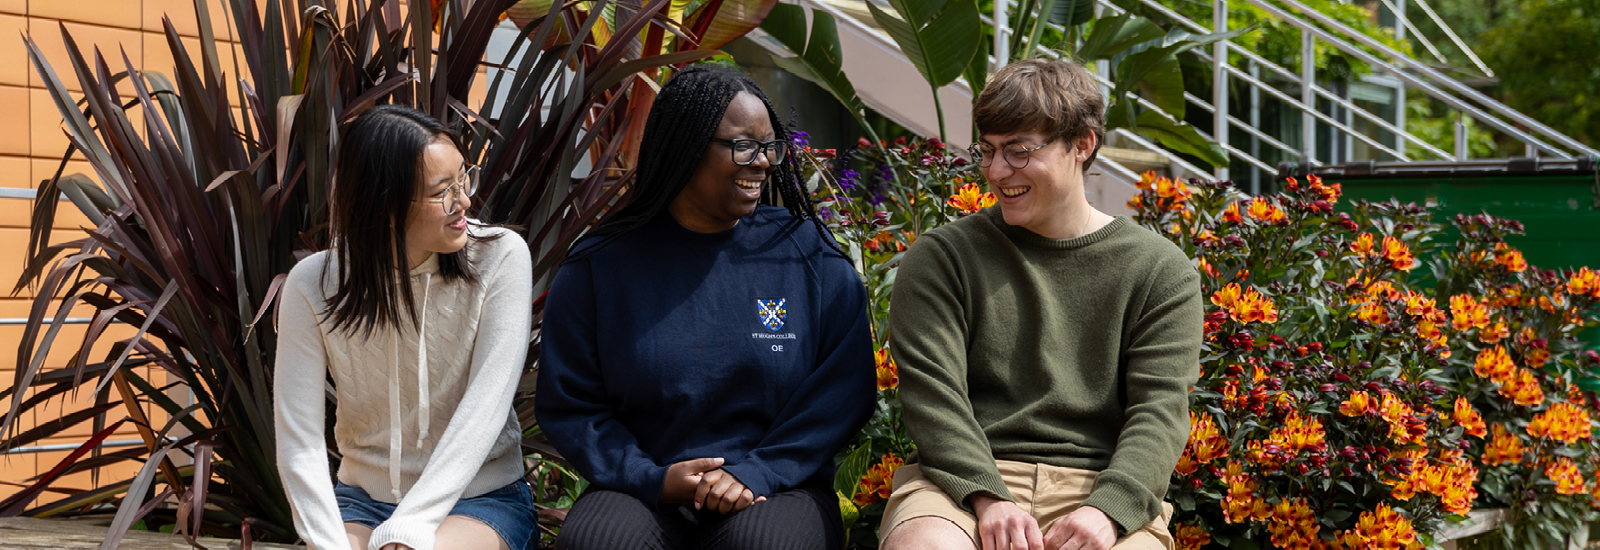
[{"x": 1076, "y": 353}]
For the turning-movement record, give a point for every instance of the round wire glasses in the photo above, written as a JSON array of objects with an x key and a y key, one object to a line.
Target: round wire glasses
[
  {"x": 1016, "y": 157},
  {"x": 464, "y": 186}
]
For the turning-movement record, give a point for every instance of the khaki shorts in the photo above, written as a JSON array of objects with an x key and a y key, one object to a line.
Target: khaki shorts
[{"x": 1047, "y": 492}]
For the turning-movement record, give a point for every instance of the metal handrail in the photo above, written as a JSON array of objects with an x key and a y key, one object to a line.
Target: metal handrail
[
  {"x": 1428, "y": 72},
  {"x": 1431, "y": 90}
]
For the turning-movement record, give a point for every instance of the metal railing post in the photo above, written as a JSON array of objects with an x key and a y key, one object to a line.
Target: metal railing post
[
  {"x": 1219, "y": 78},
  {"x": 1461, "y": 139},
  {"x": 1308, "y": 97},
  {"x": 1002, "y": 42},
  {"x": 1255, "y": 122}
]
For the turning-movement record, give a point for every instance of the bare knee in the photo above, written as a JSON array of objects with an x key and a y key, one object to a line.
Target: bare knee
[
  {"x": 462, "y": 532},
  {"x": 358, "y": 535},
  {"x": 928, "y": 533}
]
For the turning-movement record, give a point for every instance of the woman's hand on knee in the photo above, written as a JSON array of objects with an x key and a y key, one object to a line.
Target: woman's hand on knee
[
  {"x": 683, "y": 478},
  {"x": 723, "y": 493}
]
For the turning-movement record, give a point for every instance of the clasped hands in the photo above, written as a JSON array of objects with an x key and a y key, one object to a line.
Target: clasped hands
[
  {"x": 1002, "y": 525},
  {"x": 703, "y": 482}
]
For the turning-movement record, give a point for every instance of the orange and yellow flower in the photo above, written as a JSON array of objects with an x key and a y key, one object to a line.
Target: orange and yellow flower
[
  {"x": 888, "y": 371},
  {"x": 970, "y": 199},
  {"x": 1404, "y": 425},
  {"x": 1381, "y": 529},
  {"x": 1509, "y": 258},
  {"x": 1565, "y": 473},
  {"x": 1504, "y": 448},
  {"x": 1363, "y": 246},
  {"x": 1241, "y": 503},
  {"x": 1494, "y": 364},
  {"x": 1205, "y": 444},
  {"x": 1263, "y": 210},
  {"x": 879, "y": 481},
  {"x": 1359, "y": 403},
  {"x": 1398, "y": 254},
  {"x": 1522, "y": 388},
  {"x": 1245, "y": 306},
  {"x": 1493, "y": 334},
  {"x": 1469, "y": 419},
  {"x": 1467, "y": 312},
  {"x": 1328, "y": 192},
  {"x": 1585, "y": 281},
  {"x": 1562, "y": 422},
  {"x": 1192, "y": 537},
  {"x": 1294, "y": 524},
  {"x": 1231, "y": 213}
]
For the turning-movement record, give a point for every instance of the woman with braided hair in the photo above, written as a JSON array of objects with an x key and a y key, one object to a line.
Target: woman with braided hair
[{"x": 706, "y": 353}]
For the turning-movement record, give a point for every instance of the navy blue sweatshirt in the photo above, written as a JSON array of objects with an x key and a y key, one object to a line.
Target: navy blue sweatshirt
[{"x": 668, "y": 345}]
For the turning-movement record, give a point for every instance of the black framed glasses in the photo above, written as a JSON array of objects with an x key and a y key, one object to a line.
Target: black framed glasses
[
  {"x": 464, "y": 186},
  {"x": 744, "y": 150},
  {"x": 1016, "y": 157}
]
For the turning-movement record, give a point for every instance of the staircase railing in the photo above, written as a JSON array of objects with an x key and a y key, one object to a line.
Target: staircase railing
[{"x": 1410, "y": 74}]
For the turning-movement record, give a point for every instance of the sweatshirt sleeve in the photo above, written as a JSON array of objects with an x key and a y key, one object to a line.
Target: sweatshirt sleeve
[
  {"x": 830, "y": 406},
  {"x": 928, "y": 338},
  {"x": 1162, "y": 362},
  {"x": 501, "y": 345},
  {"x": 572, "y": 407},
  {"x": 299, "y": 397}
]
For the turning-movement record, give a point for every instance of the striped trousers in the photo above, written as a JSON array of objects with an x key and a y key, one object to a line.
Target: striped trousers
[{"x": 805, "y": 518}]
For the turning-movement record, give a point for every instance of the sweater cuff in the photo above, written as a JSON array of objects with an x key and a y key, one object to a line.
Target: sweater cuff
[
  {"x": 1124, "y": 500},
  {"x": 648, "y": 486},
  {"x": 418, "y": 535},
  {"x": 958, "y": 488},
  {"x": 752, "y": 475}
]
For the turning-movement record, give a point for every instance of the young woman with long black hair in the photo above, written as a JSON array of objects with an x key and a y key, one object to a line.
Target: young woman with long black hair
[
  {"x": 705, "y": 355},
  {"x": 422, "y": 317}
]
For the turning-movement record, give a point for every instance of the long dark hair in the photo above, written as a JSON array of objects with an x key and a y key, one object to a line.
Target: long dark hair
[
  {"x": 682, "y": 122},
  {"x": 375, "y": 182}
]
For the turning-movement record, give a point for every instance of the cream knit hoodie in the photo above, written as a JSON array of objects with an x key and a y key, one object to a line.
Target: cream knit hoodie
[{"x": 418, "y": 426}]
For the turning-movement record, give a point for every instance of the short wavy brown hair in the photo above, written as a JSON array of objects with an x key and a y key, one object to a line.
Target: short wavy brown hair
[{"x": 1055, "y": 98}]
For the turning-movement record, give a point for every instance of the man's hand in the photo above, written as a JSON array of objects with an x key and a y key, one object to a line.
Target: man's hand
[
  {"x": 1086, "y": 528},
  {"x": 683, "y": 477},
  {"x": 721, "y": 492},
  {"x": 1004, "y": 526}
]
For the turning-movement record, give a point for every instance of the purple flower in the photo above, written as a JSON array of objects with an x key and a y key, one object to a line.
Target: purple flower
[
  {"x": 801, "y": 139},
  {"x": 848, "y": 179}
]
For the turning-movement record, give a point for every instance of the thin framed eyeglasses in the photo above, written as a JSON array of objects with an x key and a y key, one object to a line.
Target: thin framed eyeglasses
[
  {"x": 1017, "y": 158},
  {"x": 744, "y": 150},
  {"x": 464, "y": 186}
]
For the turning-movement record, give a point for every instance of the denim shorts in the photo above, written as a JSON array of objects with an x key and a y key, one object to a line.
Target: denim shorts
[{"x": 508, "y": 510}]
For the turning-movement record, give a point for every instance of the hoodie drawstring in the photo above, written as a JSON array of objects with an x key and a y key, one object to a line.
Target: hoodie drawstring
[
  {"x": 422, "y": 364},
  {"x": 394, "y": 419},
  {"x": 423, "y": 415}
]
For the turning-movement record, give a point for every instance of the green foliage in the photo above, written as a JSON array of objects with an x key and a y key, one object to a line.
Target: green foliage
[
  {"x": 1279, "y": 42},
  {"x": 817, "y": 58},
  {"x": 938, "y": 36},
  {"x": 1543, "y": 51},
  {"x": 1439, "y": 131}
]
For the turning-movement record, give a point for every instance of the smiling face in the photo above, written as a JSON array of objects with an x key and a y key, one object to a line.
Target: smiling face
[
  {"x": 721, "y": 192},
  {"x": 1043, "y": 194},
  {"x": 428, "y": 229}
]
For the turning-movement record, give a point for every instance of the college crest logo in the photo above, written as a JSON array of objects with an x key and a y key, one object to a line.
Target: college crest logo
[{"x": 772, "y": 313}]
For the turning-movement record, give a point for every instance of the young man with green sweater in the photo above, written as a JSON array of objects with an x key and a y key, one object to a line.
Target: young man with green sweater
[{"x": 1046, "y": 348}]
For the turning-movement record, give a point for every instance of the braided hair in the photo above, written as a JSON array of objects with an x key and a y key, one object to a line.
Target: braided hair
[{"x": 682, "y": 122}]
